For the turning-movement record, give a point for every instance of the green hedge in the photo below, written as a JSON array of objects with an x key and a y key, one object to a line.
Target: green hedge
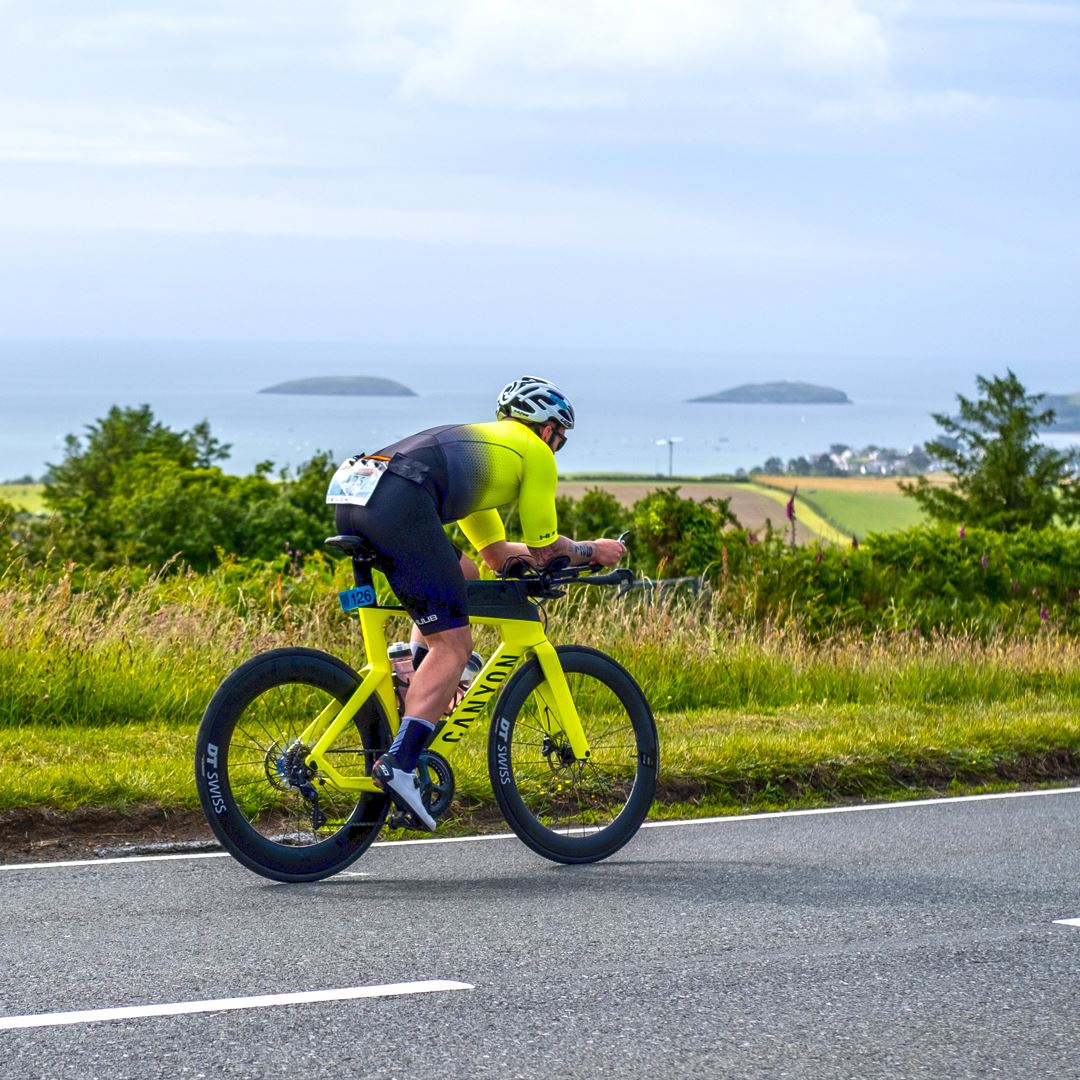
[{"x": 924, "y": 579}]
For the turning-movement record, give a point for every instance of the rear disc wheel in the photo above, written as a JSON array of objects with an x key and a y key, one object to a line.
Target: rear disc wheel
[{"x": 268, "y": 809}]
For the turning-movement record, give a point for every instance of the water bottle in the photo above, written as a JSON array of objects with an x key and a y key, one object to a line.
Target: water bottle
[
  {"x": 472, "y": 669},
  {"x": 401, "y": 660}
]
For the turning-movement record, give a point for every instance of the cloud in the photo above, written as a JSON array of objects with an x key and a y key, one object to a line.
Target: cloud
[
  {"x": 889, "y": 107},
  {"x": 68, "y": 132},
  {"x": 241, "y": 82},
  {"x": 995, "y": 11},
  {"x": 66, "y": 24},
  {"x": 565, "y": 53},
  {"x": 465, "y": 212}
]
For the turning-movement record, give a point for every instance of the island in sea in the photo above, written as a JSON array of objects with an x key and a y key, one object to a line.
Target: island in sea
[
  {"x": 779, "y": 393},
  {"x": 341, "y": 385}
]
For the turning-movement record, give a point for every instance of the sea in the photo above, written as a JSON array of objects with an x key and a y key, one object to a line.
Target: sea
[{"x": 633, "y": 409}]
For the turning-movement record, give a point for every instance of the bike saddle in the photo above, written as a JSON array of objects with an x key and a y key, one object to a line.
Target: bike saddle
[{"x": 358, "y": 547}]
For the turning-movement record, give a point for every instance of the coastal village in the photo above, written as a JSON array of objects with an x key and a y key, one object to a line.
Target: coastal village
[{"x": 841, "y": 460}]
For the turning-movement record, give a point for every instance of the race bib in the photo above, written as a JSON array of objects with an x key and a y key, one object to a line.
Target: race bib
[{"x": 355, "y": 480}]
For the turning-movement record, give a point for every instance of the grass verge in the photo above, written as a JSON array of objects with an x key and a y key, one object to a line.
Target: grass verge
[
  {"x": 101, "y": 692},
  {"x": 712, "y": 761}
]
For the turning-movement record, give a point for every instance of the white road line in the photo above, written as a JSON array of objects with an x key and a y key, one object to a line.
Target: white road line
[
  {"x": 446, "y": 839},
  {"x": 118, "y": 859},
  {"x": 900, "y": 805},
  {"x": 263, "y": 1001},
  {"x": 729, "y": 819},
  {"x": 225, "y": 854},
  {"x": 1067, "y": 922}
]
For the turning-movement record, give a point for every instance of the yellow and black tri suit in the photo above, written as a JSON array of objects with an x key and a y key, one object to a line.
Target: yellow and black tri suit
[{"x": 462, "y": 473}]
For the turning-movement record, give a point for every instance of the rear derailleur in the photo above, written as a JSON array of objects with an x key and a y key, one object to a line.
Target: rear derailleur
[{"x": 287, "y": 770}]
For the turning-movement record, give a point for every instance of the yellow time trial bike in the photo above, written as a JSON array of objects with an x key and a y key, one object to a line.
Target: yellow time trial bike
[{"x": 287, "y": 743}]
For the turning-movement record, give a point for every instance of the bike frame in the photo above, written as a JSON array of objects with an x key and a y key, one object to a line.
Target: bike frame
[{"x": 520, "y": 640}]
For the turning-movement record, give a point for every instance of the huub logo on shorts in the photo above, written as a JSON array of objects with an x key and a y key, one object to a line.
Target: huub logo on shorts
[{"x": 426, "y": 619}]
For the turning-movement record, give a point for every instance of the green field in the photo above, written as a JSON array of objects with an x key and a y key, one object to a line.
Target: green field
[
  {"x": 23, "y": 496},
  {"x": 752, "y": 504},
  {"x": 861, "y": 512},
  {"x": 827, "y": 508},
  {"x": 855, "y": 505}
]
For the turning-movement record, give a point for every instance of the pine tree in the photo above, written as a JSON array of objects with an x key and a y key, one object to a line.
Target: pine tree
[{"x": 1003, "y": 477}]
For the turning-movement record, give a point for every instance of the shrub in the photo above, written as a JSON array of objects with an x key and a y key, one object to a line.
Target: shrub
[{"x": 676, "y": 536}]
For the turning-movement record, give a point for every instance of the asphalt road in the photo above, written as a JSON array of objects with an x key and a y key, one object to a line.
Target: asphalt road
[{"x": 914, "y": 941}]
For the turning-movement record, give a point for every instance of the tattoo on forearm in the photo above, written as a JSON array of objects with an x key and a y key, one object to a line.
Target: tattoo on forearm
[{"x": 563, "y": 546}]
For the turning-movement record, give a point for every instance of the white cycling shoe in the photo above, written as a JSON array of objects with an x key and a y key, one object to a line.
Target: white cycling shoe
[{"x": 403, "y": 787}]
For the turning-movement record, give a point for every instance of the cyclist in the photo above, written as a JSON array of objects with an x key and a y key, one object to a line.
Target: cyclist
[{"x": 400, "y": 498}]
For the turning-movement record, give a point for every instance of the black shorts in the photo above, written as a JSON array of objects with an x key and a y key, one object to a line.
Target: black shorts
[{"x": 418, "y": 559}]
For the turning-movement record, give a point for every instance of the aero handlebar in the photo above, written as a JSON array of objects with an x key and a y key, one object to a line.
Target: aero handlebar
[
  {"x": 545, "y": 581},
  {"x": 549, "y": 581}
]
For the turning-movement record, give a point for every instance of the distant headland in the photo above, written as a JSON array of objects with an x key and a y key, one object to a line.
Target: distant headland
[
  {"x": 779, "y": 393},
  {"x": 342, "y": 385}
]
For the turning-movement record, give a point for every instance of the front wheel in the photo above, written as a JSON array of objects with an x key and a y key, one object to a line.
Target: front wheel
[
  {"x": 567, "y": 810},
  {"x": 273, "y": 813}
]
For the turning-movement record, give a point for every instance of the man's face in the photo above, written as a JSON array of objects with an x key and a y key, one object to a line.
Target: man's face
[{"x": 556, "y": 436}]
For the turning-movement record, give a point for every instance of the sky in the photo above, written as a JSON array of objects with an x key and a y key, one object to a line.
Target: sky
[{"x": 824, "y": 178}]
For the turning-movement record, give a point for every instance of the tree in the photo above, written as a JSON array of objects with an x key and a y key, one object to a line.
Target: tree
[
  {"x": 90, "y": 469},
  {"x": 134, "y": 491},
  {"x": 596, "y": 513},
  {"x": 1003, "y": 477},
  {"x": 676, "y": 536},
  {"x": 80, "y": 490},
  {"x": 918, "y": 460}
]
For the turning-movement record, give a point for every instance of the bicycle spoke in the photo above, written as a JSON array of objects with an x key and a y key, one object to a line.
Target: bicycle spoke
[
  {"x": 261, "y": 739},
  {"x": 575, "y": 799}
]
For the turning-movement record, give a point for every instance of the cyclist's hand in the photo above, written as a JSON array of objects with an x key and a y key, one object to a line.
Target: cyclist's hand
[{"x": 607, "y": 552}]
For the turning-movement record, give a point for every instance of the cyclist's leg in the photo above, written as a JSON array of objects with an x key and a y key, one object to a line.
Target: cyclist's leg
[
  {"x": 429, "y": 583},
  {"x": 437, "y": 678},
  {"x": 428, "y": 576},
  {"x": 471, "y": 572},
  {"x": 423, "y": 569}
]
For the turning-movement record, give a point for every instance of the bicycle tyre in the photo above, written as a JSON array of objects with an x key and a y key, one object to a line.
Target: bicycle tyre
[
  {"x": 567, "y": 811},
  {"x": 242, "y": 745}
]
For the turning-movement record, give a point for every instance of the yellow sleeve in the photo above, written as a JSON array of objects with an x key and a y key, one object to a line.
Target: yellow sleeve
[
  {"x": 483, "y": 527},
  {"x": 536, "y": 501}
]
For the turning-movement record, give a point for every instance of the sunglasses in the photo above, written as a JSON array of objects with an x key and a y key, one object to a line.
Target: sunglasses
[{"x": 558, "y": 440}]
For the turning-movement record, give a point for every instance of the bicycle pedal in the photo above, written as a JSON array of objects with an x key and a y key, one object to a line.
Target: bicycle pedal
[{"x": 405, "y": 819}]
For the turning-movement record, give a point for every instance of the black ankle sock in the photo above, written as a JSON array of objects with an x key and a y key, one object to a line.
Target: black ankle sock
[{"x": 411, "y": 738}]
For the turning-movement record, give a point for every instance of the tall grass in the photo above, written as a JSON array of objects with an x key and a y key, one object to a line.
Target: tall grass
[
  {"x": 692, "y": 655},
  {"x": 101, "y": 690},
  {"x": 126, "y": 650}
]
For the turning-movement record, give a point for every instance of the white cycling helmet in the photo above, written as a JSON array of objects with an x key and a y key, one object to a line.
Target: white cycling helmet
[{"x": 535, "y": 401}]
